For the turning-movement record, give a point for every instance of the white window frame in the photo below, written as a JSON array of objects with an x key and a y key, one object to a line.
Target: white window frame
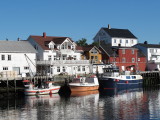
[
  {"x": 58, "y": 69},
  {"x": 2, "y": 57},
  {"x": 123, "y": 60},
  {"x": 49, "y": 57},
  {"x": 9, "y": 57},
  {"x": 83, "y": 68},
  {"x": 133, "y": 60},
  {"x": 5, "y": 68},
  {"x": 123, "y": 51},
  {"x": 63, "y": 69},
  {"x": 79, "y": 68},
  {"x": 26, "y": 68}
]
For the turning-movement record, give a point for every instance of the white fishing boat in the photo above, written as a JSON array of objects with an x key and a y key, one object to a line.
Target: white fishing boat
[
  {"x": 80, "y": 84},
  {"x": 49, "y": 88}
]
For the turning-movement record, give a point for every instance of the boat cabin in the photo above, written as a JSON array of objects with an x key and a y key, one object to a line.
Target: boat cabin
[
  {"x": 111, "y": 72},
  {"x": 91, "y": 79}
]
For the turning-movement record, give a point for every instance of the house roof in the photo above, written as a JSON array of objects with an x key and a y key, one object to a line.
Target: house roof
[
  {"x": 41, "y": 40},
  {"x": 120, "y": 33},
  {"x": 16, "y": 47},
  {"x": 108, "y": 49},
  {"x": 79, "y": 48},
  {"x": 87, "y": 48},
  {"x": 141, "y": 54},
  {"x": 149, "y": 45}
]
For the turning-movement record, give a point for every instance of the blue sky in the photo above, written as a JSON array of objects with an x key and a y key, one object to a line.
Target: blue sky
[{"x": 79, "y": 18}]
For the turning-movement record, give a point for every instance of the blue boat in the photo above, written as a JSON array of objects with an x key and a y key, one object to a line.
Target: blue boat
[{"x": 113, "y": 79}]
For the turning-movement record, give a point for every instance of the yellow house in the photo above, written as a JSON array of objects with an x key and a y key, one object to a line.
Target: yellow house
[{"x": 92, "y": 53}]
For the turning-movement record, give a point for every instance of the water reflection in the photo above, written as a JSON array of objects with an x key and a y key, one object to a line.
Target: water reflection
[{"x": 104, "y": 105}]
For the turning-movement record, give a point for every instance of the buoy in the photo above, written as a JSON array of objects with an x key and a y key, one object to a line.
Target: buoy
[
  {"x": 126, "y": 82},
  {"x": 116, "y": 80}
]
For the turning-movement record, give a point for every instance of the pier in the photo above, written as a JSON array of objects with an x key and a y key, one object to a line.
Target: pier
[
  {"x": 9, "y": 85},
  {"x": 151, "y": 78}
]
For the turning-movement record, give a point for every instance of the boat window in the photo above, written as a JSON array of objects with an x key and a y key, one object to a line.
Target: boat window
[
  {"x": 133, "y": 77},
  {"x": 88, "y": 80},
  {"x": 128, "y": 77},
  {"x": 76, "y": 80}
]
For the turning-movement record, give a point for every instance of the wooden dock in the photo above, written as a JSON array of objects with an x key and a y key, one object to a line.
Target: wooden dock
[
  {"x": 13, "y": 85},
  {"x": 151, "y": 78}
]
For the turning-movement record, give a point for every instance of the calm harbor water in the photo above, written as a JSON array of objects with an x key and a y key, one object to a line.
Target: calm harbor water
[{"x": 134, "y": 104}]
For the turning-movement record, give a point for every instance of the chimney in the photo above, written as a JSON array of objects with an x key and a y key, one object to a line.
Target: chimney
[
  {"x": 109, "y": 27},
  {"x": 18, "y": 39},
  {"x": 44, "y": 34}
]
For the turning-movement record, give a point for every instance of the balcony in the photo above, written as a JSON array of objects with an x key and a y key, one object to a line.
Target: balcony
[{"x": 63, "y": 62}]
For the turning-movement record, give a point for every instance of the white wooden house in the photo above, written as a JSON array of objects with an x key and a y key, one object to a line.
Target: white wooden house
[
  {"x": 58, "y": 55},
  {"x": 17, "y": 58},
  {"x": 152, "y": 53},
  {"x": 116, "y": 37}
]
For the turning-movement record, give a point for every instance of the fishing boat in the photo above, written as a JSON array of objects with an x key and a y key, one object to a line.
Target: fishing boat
[
  {"x": 26, "y": 83},
  {"x": 112, "y": 79},
  {"x": 48, "y": 88},
  {"x": 80, "y": 84}
]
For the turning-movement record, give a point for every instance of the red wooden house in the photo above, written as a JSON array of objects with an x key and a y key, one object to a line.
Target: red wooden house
[{"x": 126, "y": 58}]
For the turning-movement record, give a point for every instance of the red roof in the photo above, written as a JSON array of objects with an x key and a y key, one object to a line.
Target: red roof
[
  {"x": 87, "y": 48},
  {"x": 43, "y": 40}
]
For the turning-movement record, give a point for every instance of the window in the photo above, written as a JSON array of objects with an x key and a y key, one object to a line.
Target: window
[
  {"x": 133, "y": 60},
  {"x": 49, "y": 57},
  {"x": 120, "y": 41},
  {"x": 64, "y": 57},
  {"x": 9, "y": 57},
  {"x": 151, "y": 50},
  {"x": 92, "y": 57},
  {"x": 94, "y": 51},
  {"x": 79, "y": 68},
  {"x": 123, "y": 60},
  {"x": 123, "y": 51},
  {"x": 54, "y": 57},
  {"x": 5, "y": 68},
  {"x": 2, "y": 57},
  {"x": 63, "y": 46},
  {"x": 83, "y": 68},
  {"x": 58, "y": 69},
  {"x": 126, "y": 41},
  {"x": 74, "y": 57},
  {"x": 128, "y": 77},
  {"x": 114, "y": 40},
  {"x": 132, "y": 51},
  {"x": 132, "y": 41},
  {"x": 63, "y": 69},
  {"x": 156, "y": 50},
  {"x": 51, "y": 46},
  {"x": 26, "y": 68},
  {"x": 96, "y": 57},
  {"x": 139, "y": 59}
]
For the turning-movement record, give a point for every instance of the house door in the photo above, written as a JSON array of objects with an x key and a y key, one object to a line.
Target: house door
[{"x": 17, "y": 69}]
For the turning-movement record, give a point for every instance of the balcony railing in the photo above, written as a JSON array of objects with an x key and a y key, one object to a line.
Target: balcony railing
[{"x": 62, "y": 62}]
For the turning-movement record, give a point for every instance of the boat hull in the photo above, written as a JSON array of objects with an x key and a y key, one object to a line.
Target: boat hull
[
  {"x": 110, "y": 83},
  {"x": 41, "y": 91},
  {"x": 83, "y": 88}
]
